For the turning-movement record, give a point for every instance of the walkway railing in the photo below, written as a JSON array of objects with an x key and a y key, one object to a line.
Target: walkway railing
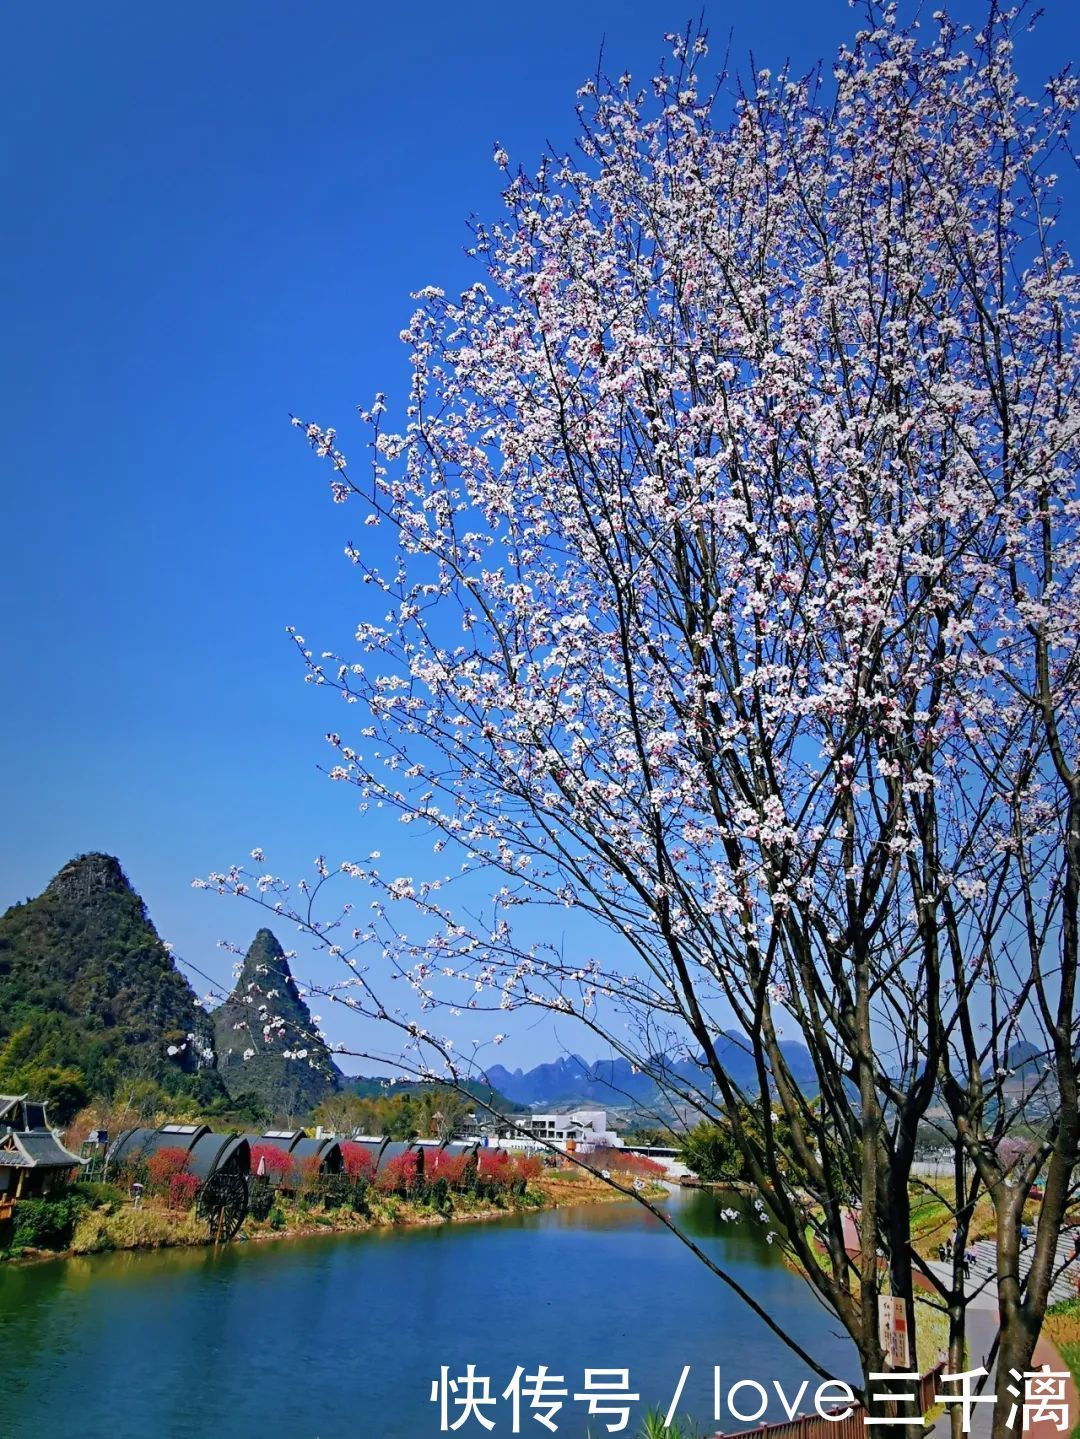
[{"x": 853, "y": 1426}]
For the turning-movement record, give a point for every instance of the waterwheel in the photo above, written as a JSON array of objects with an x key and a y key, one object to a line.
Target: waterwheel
[{"x": 223, "y": 1202}]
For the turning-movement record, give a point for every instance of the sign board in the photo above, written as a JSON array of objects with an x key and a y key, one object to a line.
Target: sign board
[{"x": 893, "y": 1331}]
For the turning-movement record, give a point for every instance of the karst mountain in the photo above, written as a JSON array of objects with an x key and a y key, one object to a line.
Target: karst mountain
[
  {"x": 92, "y": 1003},
  {"x": 265, "y": 1039}
]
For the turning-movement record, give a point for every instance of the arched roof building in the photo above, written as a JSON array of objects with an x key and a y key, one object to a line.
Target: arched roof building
[
  {"x": 284, "y": 1139},
  {"x": 219, "y": 1154},
  {"x": 140, "y": 1143},
  {"x": 207, "y": 1153},
  {"x": 326, "y": 1150},
  {"x": 322, "y": 1153}
]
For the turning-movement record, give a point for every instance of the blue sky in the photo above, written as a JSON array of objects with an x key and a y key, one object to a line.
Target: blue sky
[{"x": 215, "y": 215}]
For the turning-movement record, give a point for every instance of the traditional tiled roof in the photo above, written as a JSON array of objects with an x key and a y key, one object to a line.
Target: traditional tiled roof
[
  {"x": 9, "y": 1101},
  {"x": 38, "y": 1149},
  {"x": 44, "y": 1150},
  {"x": 17, "y": 1111}
]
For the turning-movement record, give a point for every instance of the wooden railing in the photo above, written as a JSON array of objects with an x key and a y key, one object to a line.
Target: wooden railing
[{"x": 853, "y": 1426}]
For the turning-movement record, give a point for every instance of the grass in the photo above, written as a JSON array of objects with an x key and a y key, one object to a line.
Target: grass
[
  {"x": 931, "y": 1333},
  {"x": 652, "y": 1427},
  {"x": 1062, "y": 1328},
  {"x": 933, "y": 1216}
]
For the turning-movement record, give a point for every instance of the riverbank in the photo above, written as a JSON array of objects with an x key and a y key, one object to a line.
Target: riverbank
[
  {"x": 401, "y": 1213},
  {"x": 110, "y": 1226}
]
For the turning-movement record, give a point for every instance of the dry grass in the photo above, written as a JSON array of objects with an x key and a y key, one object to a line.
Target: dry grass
[{"x": 130, "y": 1228}]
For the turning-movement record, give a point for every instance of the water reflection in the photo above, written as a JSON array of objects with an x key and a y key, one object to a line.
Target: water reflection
[{"x": 340, "y": 1336}]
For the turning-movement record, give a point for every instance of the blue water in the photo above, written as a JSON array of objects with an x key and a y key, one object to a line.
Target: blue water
[{"x": 340, "y": 1337}]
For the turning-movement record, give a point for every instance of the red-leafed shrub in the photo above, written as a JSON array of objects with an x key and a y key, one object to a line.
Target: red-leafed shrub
[
  {"x": 276, "y": 1162},
  {"x": 399, "y": 1175},
  {"x": 358, "y": 1159},
  {"x": 496, "y": 1167},
  {"x": 162, "y": 1167},
  {"x": 307, "y": 1172},
  {"x": 182, "y": 1189},
  {"x": 444, "y": 1165},
  {"x": 529, "y": 1167},
  {"x": 618, "y": 1161}
]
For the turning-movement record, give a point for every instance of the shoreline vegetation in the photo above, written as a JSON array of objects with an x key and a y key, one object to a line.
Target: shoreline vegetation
[{"x": 103, "y": 1220}]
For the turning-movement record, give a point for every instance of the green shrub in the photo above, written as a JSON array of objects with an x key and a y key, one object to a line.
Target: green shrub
[
  {"x": 261, "y": 1201},
  {"x": 276, "y": 1217},
  {"x": 336, "y": 1190},
  {"x": 45, "y": 1223},
  {"x": 98, "y": 1192}
]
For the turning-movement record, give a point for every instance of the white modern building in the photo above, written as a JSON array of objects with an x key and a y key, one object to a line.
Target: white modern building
[{"x": 583, "y": 1129}]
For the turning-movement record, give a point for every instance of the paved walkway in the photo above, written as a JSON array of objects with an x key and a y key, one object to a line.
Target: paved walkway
[
  {"x": 982, "y": 1329},
  {"x": 984, "y": 1269}
]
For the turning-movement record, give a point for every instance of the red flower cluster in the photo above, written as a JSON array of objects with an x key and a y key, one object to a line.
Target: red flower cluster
[
  {"x": 444, "y": 1164},
  {"x": 400, "y": 1174},
  {"x": 276, "y": 1162},
  {"x": 499, "y": 1166},
  {"x": 636, "y": 1166},
  {"x": 162, "y": 1167},
  {"x": 496, "y": 1164},
  {"x": 359, "y": 1160},
  {"x": 182, "y": 1189}
]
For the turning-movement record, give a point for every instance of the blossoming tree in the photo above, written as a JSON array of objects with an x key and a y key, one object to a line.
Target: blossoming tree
[{"x": 733, "y": 603}]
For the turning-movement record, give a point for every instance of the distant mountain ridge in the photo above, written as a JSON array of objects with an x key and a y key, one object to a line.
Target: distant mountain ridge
[{"x": 614, "y": 1082}]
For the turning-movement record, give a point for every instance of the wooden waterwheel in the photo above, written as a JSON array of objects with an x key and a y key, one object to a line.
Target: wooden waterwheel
[{"x": 223, "y": 1203}]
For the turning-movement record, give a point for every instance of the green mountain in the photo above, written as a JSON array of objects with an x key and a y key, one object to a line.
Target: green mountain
[
  {"x": 90, "y": 996},
  {"x": 265, "y": 1039}
]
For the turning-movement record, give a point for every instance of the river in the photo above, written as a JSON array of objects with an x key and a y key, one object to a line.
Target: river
[{"x": 341, "y": 1336}]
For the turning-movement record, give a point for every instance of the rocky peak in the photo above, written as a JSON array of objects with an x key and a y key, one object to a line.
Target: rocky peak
[
  {"x": 265, "y": 1038},
  {"x": 265, "y": 967},
  {"x": 89, "y": 874}
]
